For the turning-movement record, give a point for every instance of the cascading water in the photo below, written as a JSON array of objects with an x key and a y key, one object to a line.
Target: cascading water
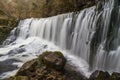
[
  {"x": 90, "y": 38},
  {"x": 107, "y": 51}
]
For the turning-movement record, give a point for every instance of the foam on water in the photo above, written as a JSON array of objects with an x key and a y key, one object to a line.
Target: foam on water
[{"x": 32, "y": 47}]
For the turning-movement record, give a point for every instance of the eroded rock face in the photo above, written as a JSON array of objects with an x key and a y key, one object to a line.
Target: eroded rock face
[{"x": 48, "y": 66}]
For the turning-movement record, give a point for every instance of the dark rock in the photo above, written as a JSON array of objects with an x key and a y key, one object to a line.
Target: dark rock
[
  {"x": 16, "y": 51},
  {"x": 71, "y": 69},
  {"x": 28, "y": 66},
  {"x": 54, "y": 59},
  {"x": 25, "y": 55},
  {"x": 99, "y": 75},
  {"x": 115, "y": 76},
  {"x": 6, "y": 65},
  {"x": 45, "y": 46}
]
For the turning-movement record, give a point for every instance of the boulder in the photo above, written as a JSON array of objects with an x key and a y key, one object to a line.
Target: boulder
[
  {"x": 27, "y": 68},
  {"x": 115, "y": 76},
  {"x": 48, "y": 66},
  {"x": 53, "y": 59},
  {"x": 99, "y": 75}
]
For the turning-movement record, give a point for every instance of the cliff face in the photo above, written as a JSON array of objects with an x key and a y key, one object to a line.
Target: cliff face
[
  {"x": 42, "y": 8},
  {"x": 54, "y": 7}
]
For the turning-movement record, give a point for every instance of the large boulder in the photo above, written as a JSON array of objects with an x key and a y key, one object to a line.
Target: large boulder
[
  {"x": 54, "y": 60},
  {"x": 48, "y": 66}
]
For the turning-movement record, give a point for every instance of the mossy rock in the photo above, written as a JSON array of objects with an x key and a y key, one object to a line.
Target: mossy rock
[
  {"x": 27, "y": 67},
  {"x": 99, "y": 75},
  {"x": 58, "y": 53},
  {"x": 115, "y": 76},
  {"x": 21, "y": 78},
  {"x": 53, "y": 59}
]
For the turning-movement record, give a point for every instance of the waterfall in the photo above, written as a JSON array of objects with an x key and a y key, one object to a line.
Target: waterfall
[{"x": 89, "y": 38}]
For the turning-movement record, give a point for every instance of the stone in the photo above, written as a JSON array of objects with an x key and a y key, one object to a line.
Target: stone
[
  {"x": 54, "y": 59},
  {"x": 28, "y": 66},
  {"x": 115, "y": 76},
  {"x": 99, "y": 75}
]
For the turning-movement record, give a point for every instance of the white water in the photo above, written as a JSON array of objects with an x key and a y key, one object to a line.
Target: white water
[
  {"x": 25, "y": 43},
  {"x": 70, "y": 33}
]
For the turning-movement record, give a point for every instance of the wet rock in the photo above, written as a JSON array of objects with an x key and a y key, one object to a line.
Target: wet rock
[
  {"x": 7, "y": 65},
  {"x": 25, "y": 55},
  {"x": 99, "y": 75},
  {"x": 45, "y": 46},
  {"x": 27, "y": 67},
  {"x": 72, "y": 69},
  {"x": 54, "y": 59},
  {"x": 47, "y": 68},
  {"x": 16, "y": 51},
  {"x": 115, "y": 76}
]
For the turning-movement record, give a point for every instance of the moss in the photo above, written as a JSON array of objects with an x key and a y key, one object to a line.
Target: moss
[
  {"x": 58, "y": 53},
  {"x": 21, "y": 78},
  {"x": 46, "y": 52},
  {"x": 40, "y": 61}
]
